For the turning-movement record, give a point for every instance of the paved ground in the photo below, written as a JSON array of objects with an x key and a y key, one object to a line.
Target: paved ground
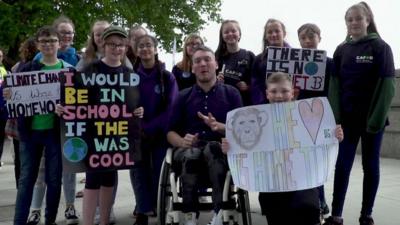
[{"x": 386, "y": 211}]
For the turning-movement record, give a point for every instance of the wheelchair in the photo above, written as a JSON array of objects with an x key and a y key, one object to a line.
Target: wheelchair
[{"x": 169, "y": 202}]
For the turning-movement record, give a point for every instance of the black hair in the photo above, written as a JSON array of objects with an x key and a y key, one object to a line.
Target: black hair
[{"x": 158, "y": 64}]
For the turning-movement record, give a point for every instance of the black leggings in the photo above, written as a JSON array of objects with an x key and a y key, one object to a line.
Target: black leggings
[{"x": 100, "y": 178}]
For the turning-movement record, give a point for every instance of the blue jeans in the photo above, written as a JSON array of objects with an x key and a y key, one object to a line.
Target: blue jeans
[
  {"x": 31, "y": 151},
  {"x": 370, "y": 150},
  {"x": 145, "y": 176},
  {"x": 69, "y": 186},
  {"x": 40, "y": 187}
]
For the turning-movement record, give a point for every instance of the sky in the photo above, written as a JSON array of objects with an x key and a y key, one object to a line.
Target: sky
[{"x": 327, "y": 14}]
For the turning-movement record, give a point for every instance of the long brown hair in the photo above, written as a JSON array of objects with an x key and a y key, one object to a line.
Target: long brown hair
[
  {"x": 364, "y": 7},
  {"x": 186, "y": 63},
  {"x": 264, "y": 40},
  {"x": 222, "y": 48},
  {"x": 91, "y": 47}
]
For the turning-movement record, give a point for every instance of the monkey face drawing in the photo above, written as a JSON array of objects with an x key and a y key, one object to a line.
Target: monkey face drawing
[{"x": 246, "y": 126}]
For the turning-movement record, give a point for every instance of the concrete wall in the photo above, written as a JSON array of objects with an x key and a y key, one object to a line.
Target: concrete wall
[{"x": 391, "y": 141}]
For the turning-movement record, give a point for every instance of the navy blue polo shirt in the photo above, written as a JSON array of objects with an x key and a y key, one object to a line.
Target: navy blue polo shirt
[{"x": 219, "y": 101}]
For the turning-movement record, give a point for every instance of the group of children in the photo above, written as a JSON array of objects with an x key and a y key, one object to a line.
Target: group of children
[{"x": 191, "y": 103}]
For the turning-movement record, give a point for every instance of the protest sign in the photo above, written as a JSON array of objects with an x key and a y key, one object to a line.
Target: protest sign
[
  {"x": 305, "y": 66},
  {"x": 33, "y": 93},
  {"x": 99, "y": 131},
  {"x": 282, "y": 146}
]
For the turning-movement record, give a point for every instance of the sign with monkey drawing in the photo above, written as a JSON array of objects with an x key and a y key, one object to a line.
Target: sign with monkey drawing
[{"x": 282, "y": 146}]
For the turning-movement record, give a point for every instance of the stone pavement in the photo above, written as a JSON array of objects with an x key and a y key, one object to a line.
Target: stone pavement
[{"x": 386, "y": 211}]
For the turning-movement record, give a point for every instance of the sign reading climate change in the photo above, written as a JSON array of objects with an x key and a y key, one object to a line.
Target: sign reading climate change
[
  {"x": 283, "y": 146},
  {"x": 33, "y": 93},
  {"x": 99, "y": 129},
  {"x": 306, "y": 66}
]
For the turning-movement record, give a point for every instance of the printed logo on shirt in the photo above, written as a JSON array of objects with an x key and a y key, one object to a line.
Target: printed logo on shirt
[
  {"x": 364, "y": 59},
  {"x": 185, "y": 74},
  {"x": 157, "y": 89},
  {"x": 242, "y": 62},
  {"x": 236, "y": 75}
]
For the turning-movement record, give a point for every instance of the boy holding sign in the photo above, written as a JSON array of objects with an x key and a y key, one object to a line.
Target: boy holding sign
[
  {"x": 39, "y": 134},
  {"x": 309, "y": 37},
  {"x": 302, "y": 205}
]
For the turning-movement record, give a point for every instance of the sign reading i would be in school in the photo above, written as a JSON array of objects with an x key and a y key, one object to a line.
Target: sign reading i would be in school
[
  {"x": 99, "y": 131},
  {"x": 306, "y": 66},
  {"x": 33, "y": 93}
]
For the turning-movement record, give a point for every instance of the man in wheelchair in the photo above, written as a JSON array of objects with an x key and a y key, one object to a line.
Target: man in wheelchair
[{"x": 195, "y": 132}]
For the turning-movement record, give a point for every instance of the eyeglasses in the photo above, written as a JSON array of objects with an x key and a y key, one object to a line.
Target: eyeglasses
[
  {"x": 147, "y": 45},
  {"x": 115, "y": 46},
  {"x": 67, "y": 32},
  {"x": 193, "y": 44},
  {"x": 47, "y": 41}
]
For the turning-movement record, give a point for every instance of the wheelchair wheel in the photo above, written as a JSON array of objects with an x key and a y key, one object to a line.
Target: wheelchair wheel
[
  {"x": 244, "y": 206},
  {"x": 164, "y": 194}
]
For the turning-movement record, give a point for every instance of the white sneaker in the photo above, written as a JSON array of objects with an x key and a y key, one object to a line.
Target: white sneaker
[
  {"x": 190, "y": 218},
  {"x": 97, "y": 216},
  {"x": 217, "y": 219},
  {"x": 111, "y": 219},
  {"x": 71, "y": 216}
]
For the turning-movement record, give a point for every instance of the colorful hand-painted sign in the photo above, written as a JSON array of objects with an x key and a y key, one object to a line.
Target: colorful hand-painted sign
[
  {"x": 282, "y": 146},
  {"x": 306, "y": 66},
  {"x": 99, "y": 129}
]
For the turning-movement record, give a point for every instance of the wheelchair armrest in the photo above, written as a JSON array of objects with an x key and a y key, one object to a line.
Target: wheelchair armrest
[{"x": 168, "y": 156}]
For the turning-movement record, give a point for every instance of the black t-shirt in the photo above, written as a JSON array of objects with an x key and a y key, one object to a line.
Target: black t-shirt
[{"x": 237, "y": 67}]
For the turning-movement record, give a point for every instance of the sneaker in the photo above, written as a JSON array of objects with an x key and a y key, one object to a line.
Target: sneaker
[
  {"x": 71, "y": 216},
  {"x": 141, "y": 219},
  {"x": 333, "y": 221},
  {"x": 190, "y": 218},
  {"x": 97, "y": 216},
  {"x": 324, "y": 211},
  {"x": 34, "y": 218},
  {"x": 112, "y": 219},
  {"x": 366, "y": 220},
  {"x": 217, "y": 219}
]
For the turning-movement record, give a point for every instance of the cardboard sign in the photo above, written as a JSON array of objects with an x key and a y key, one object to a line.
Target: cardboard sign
[
  {"x": 283, "y": 146},
  {"x": 99, "y": 131},
  {"x": 306, "y": 66},
  {"x": 33, "y": 93}
]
